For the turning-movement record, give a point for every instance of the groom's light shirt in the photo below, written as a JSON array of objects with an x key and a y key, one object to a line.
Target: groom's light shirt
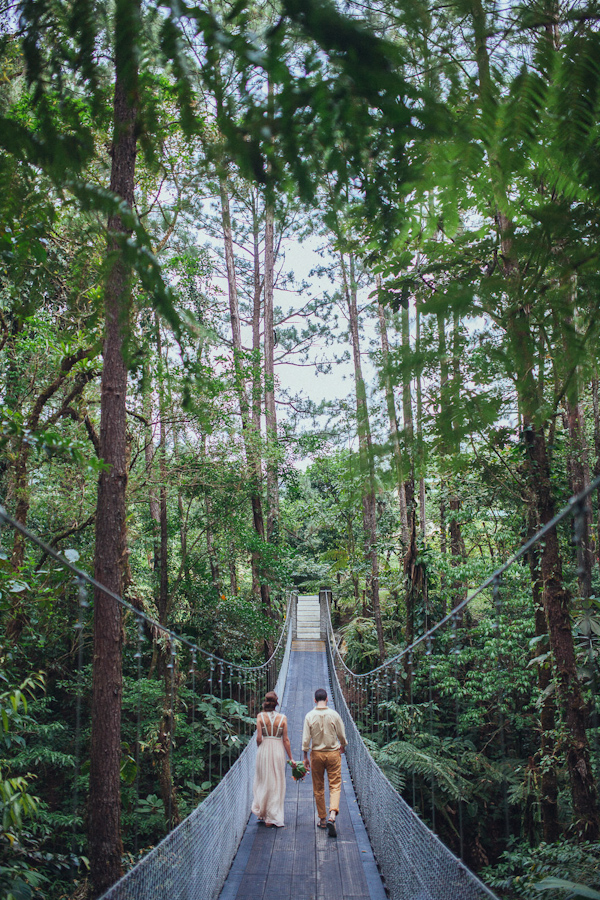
[{"x": 324, "y": 729}]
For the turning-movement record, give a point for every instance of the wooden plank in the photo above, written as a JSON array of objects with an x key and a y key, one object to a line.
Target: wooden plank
[
  {"x": 329, "y": 878},
  {"x": 260, "y": 856},
  {"x": 286, "y": 839},
  {"x": 305, "y": 859},
  {"x": 257, "y": 864},
  {"x": 282, "y": 862},
  {"x": 252, "y": 887},
  {"x": 278, "y": 886},
  {"x": 354, "y": 882},
  {"x": 305, "y": 888}
]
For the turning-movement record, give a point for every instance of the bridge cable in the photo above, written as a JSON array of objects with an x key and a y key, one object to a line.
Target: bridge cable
[
  {"x": 571, "y": 509},
  {"x": 6, "y": 519}
]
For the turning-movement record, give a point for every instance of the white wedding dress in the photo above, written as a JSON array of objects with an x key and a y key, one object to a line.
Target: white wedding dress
[{"x": 269, "y": 776}]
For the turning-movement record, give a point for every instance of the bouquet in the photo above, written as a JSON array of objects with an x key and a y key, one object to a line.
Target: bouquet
[{"x": 298, "y": 770}]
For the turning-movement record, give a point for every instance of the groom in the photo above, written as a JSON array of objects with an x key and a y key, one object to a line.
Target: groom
[{"x": 324, "y": 730}]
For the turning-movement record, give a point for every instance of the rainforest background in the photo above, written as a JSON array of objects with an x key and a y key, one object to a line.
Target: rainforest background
[{"x": 433, "y": 171}]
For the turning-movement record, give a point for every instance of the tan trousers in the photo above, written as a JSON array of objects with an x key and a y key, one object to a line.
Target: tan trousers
[{"x": 329, "y": 761}]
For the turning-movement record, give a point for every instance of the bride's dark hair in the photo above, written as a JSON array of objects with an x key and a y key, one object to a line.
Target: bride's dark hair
[{"x": 270, "y": 702}]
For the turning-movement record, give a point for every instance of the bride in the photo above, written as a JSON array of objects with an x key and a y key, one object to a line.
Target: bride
[{"x": 269, "y": 778}]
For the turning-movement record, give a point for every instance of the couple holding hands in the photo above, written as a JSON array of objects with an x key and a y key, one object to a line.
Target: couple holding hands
[{"x": 324, "y": 735}]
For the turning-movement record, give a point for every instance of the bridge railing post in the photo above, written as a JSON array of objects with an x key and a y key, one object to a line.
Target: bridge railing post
[
  {"x": 325, "y": 596},
  {"x": 294, "y": 614}
]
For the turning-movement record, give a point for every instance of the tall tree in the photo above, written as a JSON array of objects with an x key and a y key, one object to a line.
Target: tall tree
[
  {"x": 393, "y": 422},
  {"x": 251, "y": 439},
  {"x": 367, "y": 466},
  {"x": 407, "y": 412},
  {"x": 104, "y": 835},
  {"x": 270, "y": 408}
]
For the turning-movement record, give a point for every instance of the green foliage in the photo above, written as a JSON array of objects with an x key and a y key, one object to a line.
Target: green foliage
[
  {"x": 576, "y": 891},
  {"x": 19, "y": 876},
  {"x": 457, "y": 158},
  {"x": 529, "y": 872},
  {"x": 360, "y": 640}
]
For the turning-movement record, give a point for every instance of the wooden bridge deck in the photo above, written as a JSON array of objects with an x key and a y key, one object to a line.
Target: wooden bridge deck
[{"x": 300, "y": 861}]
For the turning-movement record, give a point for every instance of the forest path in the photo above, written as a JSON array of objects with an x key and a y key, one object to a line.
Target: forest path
[{"x": 301, "y": 862}]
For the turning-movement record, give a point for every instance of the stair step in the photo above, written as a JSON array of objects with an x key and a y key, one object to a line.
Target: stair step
[{"x": 308, "y": 619}]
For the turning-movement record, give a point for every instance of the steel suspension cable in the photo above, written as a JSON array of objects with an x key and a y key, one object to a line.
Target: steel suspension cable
[
  {"x": 573, "y": 508},
  {"x": 6, "y": 519}
]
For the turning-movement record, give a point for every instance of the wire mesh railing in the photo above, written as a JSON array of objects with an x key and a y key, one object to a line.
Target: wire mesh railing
[
  {"x": 192, "y": 862},
  {"x": 414, "y": 862},
  {"x": 187, "y": 720},
  {"x": 420, "y": 748}
]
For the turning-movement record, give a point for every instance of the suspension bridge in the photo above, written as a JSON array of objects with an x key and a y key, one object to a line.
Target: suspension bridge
[
  {"x": 381, "y": 843},
  {"x": 385, "y": 847}
]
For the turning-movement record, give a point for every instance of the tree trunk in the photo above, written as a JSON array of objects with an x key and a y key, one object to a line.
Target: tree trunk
[
  {"x": 210, "y": 545},
  {"x": 105, "y": 848},
  {"x": 181, "y": 511},
  {"x": 407, "y": 415},
  {"x": 580, "y": 480},
  {"x": 166, "y": 664},
  {"x": 233, "y": 582},
  {"x": 549, "y": 788},
  {"x": 258, "y": 283},
  {"x": 367, "y": 470},
  {"x": 12, "y": 395},
  {"x": 166, "y": 736},
  {"x": 149, "y": 454},
  {"x": 393, "y": 420},
  {"x": 443, "y": 547},
  {"x": 556, "y": 602},
  {"x": 458, "y": 552},
  {"x": 457, "y": 545},
  {"x": 270, "y": 408},
  {"x": 163, "y": 585},
  {"x": 596, "y": 407},
  {"x": 443, "y": 424},
  {"x": 422, "y": 516},
  {"x": 256, "y": 370},
  {"x": 250, "y": 438}
]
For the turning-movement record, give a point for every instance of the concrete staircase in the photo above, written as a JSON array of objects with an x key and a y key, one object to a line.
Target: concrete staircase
[{"x": 308, "y": 623}]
